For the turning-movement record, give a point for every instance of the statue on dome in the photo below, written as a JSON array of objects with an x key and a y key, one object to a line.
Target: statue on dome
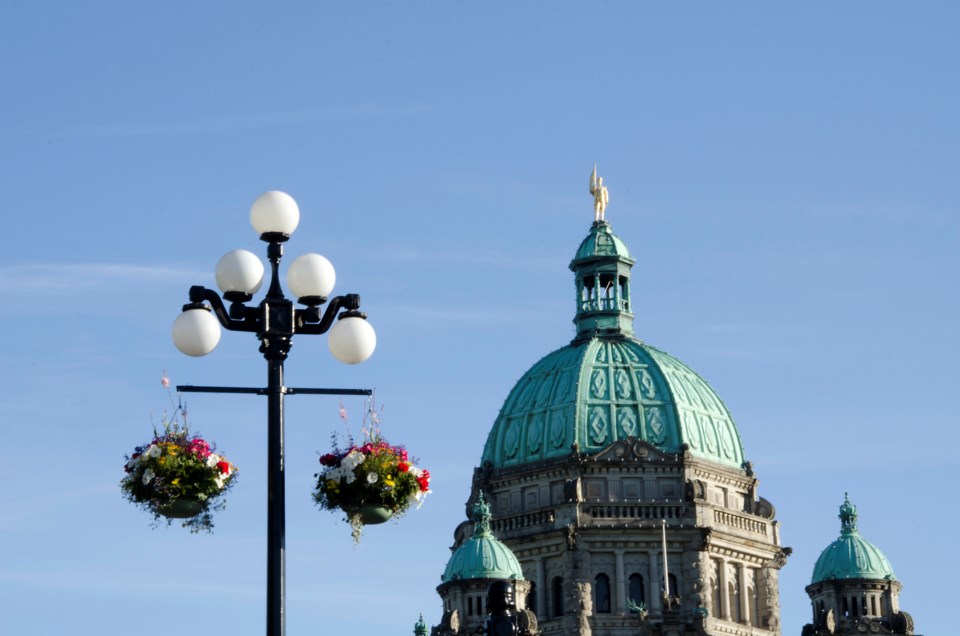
[{"x": 600, "y": 195}]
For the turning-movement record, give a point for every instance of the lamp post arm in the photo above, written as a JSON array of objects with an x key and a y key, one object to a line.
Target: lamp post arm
[
  {"x": 350, "y": 302},
  {"x": 199, "y": 294}
]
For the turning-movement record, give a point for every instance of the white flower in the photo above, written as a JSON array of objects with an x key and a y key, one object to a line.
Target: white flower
[
  {"x": 352, "y": 460},
  {"x": 212, "y": 460},
  {"x": 416, "y": 472},
  {"x": 372, "y": 478},
  {"x": 417, "y": 498},
  {"x": 133, "y": 462},
  {"x": 148, "y": 475},
  {"x": 219, "y": 481},
  {"x": 154, "y": 451}
]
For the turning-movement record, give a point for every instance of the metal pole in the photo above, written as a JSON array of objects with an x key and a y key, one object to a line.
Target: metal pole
[{"x": 276, "y": 542}]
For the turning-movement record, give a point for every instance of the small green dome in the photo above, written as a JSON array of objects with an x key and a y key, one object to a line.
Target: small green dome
[
  {"x": 420, "y": 628},
  {"x": 482, "y": 556},
  {"x": 851, "y": 556},
  {"x": 602, "y": 242},
  {"x": 606, "y": 385}
]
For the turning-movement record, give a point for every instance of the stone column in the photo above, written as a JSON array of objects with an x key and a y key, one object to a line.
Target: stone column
[
  {"x": 621, "y": 604},
  {"x": 724, "y": 591},
  {"x": 654, "y": 586},
  {"x": 541, "y": 581},
  {"x": 744, "y": 596}
]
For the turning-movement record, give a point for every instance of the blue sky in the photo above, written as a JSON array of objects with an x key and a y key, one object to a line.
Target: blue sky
[{"x": 785, "y": 175}]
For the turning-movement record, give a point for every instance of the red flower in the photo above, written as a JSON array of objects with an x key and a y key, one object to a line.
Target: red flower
[
  {"x": 424, "y": 481},
  {"x": 329, "y": 460},
  {"x": 224, "y": 467},
  {"x": 403, "y": 467}
]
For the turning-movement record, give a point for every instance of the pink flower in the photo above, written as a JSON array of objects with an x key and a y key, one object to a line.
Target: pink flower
[
  {"x": 164, "y": 380},
  {"x": 200, "y": 448}
]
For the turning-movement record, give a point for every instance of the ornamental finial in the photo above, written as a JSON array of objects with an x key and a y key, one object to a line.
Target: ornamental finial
[
  {"x": 848, "y": 516},
  {"x": 600, "y": 195},
  {"x": 481, "y": 516},
  {"x": 420, "y": 628}
]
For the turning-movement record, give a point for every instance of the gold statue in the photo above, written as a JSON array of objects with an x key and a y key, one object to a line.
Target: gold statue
[{"x": 600, "y": 195}]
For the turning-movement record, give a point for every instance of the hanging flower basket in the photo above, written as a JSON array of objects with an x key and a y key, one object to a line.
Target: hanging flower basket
[
  {"x": 181, "y": 509},
  {"x": 178, "y": 476},
  {"x": 371, "y": 515},
  {"x": 371, "y": 482}
]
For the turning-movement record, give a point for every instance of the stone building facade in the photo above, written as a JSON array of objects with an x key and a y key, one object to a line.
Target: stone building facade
[
  {"x": 617, "y": 479},
  {"x": 610, "y": 454}
]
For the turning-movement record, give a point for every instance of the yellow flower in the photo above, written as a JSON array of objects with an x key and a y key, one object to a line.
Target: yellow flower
[
  {"x": 176, "y": 481},
  {"x": 389, "y": 481},
  {"x": 332, "y": 485}
]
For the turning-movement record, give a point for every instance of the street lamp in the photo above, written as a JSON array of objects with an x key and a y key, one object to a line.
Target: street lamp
[{"x": 311, "y": 277}]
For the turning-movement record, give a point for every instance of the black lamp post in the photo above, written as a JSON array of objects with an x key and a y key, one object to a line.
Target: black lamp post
[{"x": 275, "y": 320}]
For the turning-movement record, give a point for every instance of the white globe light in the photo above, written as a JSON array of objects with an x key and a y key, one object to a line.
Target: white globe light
[
  {"x": 311, "y": 275},
  {"x": 196, "y": 332},
  {"x": 274, "y": 211},
  {"x": 239, "y": 271},
  {"x": 352, "y": 340}
]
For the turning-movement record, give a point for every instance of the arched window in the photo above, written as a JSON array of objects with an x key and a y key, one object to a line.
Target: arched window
[
  {"x": 602, "y": 594},
  {"x": 637, "y": 593},
  {"x": 733, "y": 594},
  {"x": 715, "y": 597},
  {"x": 753, "y": 605},
  {"x": 532, "y": 597},
  {"x": 556, "y": 596}
]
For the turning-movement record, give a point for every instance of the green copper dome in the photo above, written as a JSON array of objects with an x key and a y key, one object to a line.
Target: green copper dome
[
  {"x": 851, "y": 556},
  {"x": 606, "y": 385},
  {"x": 602, "y": 242},
  {"x": 482, "y": 556}
]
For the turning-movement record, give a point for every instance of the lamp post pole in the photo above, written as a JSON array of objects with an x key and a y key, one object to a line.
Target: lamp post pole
[{"x": 275, "y": 320}]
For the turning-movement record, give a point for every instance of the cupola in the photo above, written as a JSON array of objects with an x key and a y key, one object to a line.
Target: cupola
[
  {"x": 851, "y": 556},
  {"x": 482, "y": 556}
]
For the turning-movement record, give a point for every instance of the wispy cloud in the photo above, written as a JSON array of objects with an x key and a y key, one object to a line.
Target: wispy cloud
[
  {"x": 115, "y": 582},
  {"x": 429, "y": 319},
  {"x": 15, "y": 511},
  {"x": 469, "y": 257},
  {"x": 44, "y": 277},
  {"x": 227, "y": 123}
]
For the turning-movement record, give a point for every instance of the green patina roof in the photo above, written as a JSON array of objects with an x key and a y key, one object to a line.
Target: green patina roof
[
  {"x": 851, "y": 556},
  {"x": 420, "y": 628},
  {"x": 601, "y": 241},
  {"x": 482, "y": 556},
  {"x": 606, "y": 385}
]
